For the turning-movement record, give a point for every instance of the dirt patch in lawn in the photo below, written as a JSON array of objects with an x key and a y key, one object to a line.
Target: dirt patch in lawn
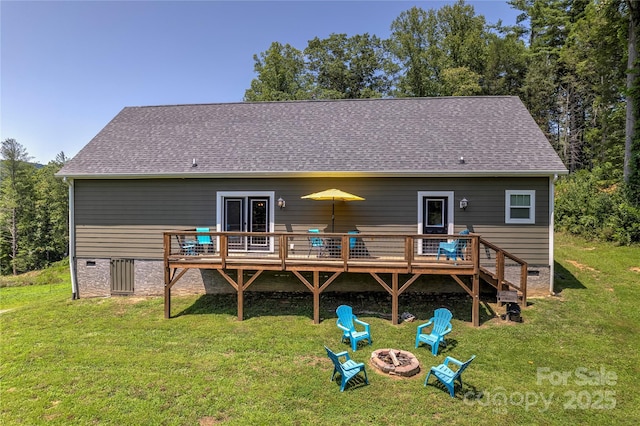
[{"x": 581, "y": 266}]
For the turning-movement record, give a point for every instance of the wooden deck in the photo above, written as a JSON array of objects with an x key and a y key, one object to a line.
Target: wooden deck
[{"x": 373, "y": 254}]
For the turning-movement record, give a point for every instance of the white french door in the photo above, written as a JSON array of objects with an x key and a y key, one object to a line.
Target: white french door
[{"x": 246, "y": 212}]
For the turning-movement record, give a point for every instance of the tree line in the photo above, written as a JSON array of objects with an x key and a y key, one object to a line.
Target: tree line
[
  {"x": 572, "y": 62},
  {"x": 33, "y": 211}
]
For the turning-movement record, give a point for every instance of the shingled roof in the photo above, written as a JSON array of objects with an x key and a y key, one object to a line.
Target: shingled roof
[{"x": 371, "y": 137}]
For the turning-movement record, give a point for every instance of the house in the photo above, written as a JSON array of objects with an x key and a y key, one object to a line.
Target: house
[{"x": 425, "y": 167}]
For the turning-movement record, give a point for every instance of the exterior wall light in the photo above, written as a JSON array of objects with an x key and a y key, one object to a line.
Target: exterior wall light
[
  {"x": 281, "y": 203},
  {"x": 464, "y": 203}
]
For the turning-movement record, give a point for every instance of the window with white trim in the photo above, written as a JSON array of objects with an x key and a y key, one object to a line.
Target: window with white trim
[{"x": 520, "y": 206}]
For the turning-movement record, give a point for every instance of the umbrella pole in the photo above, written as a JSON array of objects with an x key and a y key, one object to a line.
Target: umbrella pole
[{"x": 333, "y": 213}]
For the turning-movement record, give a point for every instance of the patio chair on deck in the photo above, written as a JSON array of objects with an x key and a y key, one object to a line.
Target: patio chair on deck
[
  {"x": 348, "y": 369},
  {"x": 347, "y": 321},
  {"x": 317, "y": 243},
  {"x": 187, "y": 247},
  {"x": 441, "y": 326},
  {"x": 454, "y": 248},
  {"x": 204, "y": 241},
  {"x": 353, "y": 241},
  {"x": 448, "y": 376}
]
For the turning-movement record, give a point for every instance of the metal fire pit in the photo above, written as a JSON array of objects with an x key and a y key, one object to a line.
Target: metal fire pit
[{"x": 395, "y": 362}]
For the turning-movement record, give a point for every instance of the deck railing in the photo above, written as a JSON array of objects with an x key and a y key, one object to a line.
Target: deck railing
[
  {"x": 502, "y": 269},
  {"x": 326, "y": 248},
  {"x": 349, "y": 252}
]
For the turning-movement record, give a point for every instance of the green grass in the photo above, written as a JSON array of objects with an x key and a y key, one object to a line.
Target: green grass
[{"x": 117, "y": 361}]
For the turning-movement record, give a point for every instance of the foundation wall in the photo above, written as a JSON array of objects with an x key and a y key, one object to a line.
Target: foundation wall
[{"x": 94, "y": 280}]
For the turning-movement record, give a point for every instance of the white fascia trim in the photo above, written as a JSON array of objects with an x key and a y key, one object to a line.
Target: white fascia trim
[{"x": 312, "y": 174}]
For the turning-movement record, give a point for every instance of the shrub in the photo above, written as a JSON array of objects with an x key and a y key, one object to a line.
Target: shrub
[{"x": 593, "y": 204}]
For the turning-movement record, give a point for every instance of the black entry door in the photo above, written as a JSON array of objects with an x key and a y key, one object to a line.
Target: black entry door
[{"x": 435, "y": 221}]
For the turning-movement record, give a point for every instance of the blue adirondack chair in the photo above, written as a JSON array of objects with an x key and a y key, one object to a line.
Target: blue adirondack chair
[
  {"x": 204, "y": 241},
  {"x": 347, "y": 323},
  {"x": 447, "y": 375},
  {"x": 347, "y": 369},
  {"x": 441, "y": 326},
  {"x": 316, "y": 243},
  {"x": 454, "y": 248},
  {"x": 353, "y": 241}
]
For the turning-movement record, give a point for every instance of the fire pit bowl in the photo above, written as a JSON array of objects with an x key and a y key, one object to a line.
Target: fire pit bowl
[{"x": 395, "y": 362}]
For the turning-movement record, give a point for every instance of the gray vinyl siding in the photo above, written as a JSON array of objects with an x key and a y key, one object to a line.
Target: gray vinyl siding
[{"x": 125, "y": 218}]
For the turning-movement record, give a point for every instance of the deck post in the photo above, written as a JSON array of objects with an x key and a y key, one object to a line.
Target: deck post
[
  {"x": 394, "y": 298},
  {"x": 475, "y": 309},
  {"x": 523, "y": 284},
  {"x": 316, "y": 297},
  {"x": 167, "y": 276},
  {"x": 240, "y": 292},
  {"x": 500, "y": 270},
  {"x": 167, "y": 301},
  {"x": 475, "y": 304}
]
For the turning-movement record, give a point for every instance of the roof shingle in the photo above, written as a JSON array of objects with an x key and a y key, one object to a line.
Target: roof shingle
[{"x": 403, "y": 136}]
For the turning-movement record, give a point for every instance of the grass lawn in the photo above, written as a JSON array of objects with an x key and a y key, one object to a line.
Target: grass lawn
[{"x": 117, "y": 361}]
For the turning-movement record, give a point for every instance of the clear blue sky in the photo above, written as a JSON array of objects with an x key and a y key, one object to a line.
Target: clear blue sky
[{"x": 67, "y": 68}]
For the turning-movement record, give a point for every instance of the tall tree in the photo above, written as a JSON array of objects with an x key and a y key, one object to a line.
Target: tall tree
[
  {"x": 348, "y": 67},
  {"x": 506, "y": 65},
  {"x": 460, "y": 82},
  {"x": 440, "y": 52},
  {"x": 414, "y": 45},
  {"x": 594, "y": 55},
  {"x": 551, "y": 91},
  {"x": 464, "y": 37},
  {"x": 632, "y": 138},
  {"x": 49, "y": 241},
  {"x": 281, "y": 76},
  {"x": 15, "y": 192}
]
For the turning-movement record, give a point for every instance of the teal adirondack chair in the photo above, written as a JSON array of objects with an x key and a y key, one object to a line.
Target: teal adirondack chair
[
  {"x": 353, "y": 241},
  {"x": 441, "y": 326},
  {"x": 204, "y": 241},
  {"x": 347, "y": 323},
  {"x": 454, "y": 248},
  {"x": 348, "y": 369},
  {"x": 448, "y": 376},
  {"x": 316, "y": 243}
]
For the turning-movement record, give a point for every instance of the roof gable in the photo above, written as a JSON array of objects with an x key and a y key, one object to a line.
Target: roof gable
[{"x": 377, "y": 137}]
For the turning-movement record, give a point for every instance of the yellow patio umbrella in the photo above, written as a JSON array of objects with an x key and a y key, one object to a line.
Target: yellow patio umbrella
[{"x": 333, "y": 195}]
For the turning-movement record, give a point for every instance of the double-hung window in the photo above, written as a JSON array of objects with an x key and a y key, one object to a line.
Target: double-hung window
[{"x": 520, "y": 206}]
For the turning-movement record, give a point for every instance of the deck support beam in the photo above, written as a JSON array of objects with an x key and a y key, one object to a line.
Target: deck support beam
[
  {"x": 395, "y": 291},
  {"x": 168, "y": 283},
  {"x": 240, "y": 287},
  {"x": 316, "y": 289}
]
